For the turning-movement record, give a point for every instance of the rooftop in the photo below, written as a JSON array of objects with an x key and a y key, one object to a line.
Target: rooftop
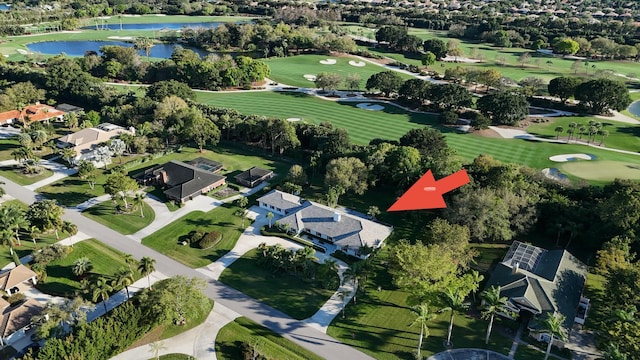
[{"x": 15, "y": 276}]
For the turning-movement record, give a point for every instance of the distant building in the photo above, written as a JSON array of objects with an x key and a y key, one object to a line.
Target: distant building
[
  {"x": 85, "y": 141},
  {"x": 68, "y": 108},
  {"x": 17, "y": 279},
  {"x": 537, "y": 282},
  {"x": 31, "y": 113},
  {"x": 184, "y": 180},
  {"x": 253, "y": 176},
  {"x": 347, "y": 231}
]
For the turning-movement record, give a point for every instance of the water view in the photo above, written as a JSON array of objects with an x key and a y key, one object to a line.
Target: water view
[
  {"x": 162, "y": 26},
  {"x": 5, "y": 7},
  {"x": 79, "y": 48},
  {"x": 634, "y": 108}
]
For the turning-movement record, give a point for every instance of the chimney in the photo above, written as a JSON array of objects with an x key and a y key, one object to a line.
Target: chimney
[
  {"x": 516, "y": 267},
  {"x": 336, "y": 217}
]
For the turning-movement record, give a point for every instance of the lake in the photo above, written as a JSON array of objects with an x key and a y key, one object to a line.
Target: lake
[
  {"x": 5, "y": 7},
  {"x": 161, "y": 26},
  {"x": 634, "y": 108},
  {"x": 79, "y": 48}
]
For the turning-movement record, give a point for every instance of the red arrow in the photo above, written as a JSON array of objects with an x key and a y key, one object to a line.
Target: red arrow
[{"x": 427, "y": 193}]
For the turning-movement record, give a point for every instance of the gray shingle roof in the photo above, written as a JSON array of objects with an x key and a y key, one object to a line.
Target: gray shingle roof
[
  {"x": 186, "y": 180},
  {"x": 281, "y": 200},
  {"x": 253, "y": 174},
  {"x": 554, "y": 284}
]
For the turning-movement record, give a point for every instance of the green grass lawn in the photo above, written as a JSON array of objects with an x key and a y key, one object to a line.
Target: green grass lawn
[
  {"x": 379, "y": 323},
  {"x": 222, "y": 219},
  {"x": 488, "y": 255},
  {"x": 602, "y": 170},
  {"x": 15, "y": 174},
  {"x": 290, "y": 294},
  {"x": 60, "y": 279},
  {"x": 71, "y": 190},
  {"x": 621, "y": 135},
  {"x": 6, "y": 147},
  {"x": 269, "y": 344},
  {"x": 175, "y": 357},
  {"x": 127, "y": 223},
  {"x": 291, "y": 70}
]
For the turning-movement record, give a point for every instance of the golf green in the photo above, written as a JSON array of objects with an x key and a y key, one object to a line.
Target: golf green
[{"x": 602, "y": 170}]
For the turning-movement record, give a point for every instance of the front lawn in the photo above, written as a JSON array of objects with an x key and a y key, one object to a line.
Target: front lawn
[
  {"x": 72, "y": 190},
  {"x": 288, "y": 293},
  {"x": 222, "y": 219},
  {"x": 269, "y": 344},
  {"x": 27, "y": 246},
  {"x": 379, "y": 323},
  {"x": 60, "y": 279},
  {"x": 124, "y": 223},
  {"x": 15, "y": 173}
]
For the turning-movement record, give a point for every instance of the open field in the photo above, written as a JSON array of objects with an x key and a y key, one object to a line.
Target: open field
[
  {"x": 160, "y": 19},
  {"x": 290, "y": 294},
  {"x": 105, "y": 260},
  {"x": 621, "y": 135},
  {"x": 270, "y": 344},
  {"x": 127, "y": 223},
  {"x": 291, "y": 70},
  {"x": 222, "y": 219}
]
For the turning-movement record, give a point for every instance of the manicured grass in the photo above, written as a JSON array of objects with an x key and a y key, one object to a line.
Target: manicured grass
[
  {"x": 488, "y": 255},
  {"x": 60, "y": 279},
  {"x": 27, "y": 246},
  {"x": 291, "y": 70},
  {"x": 127, "y": 223},
  {"x": 363, "y": 125},
  {"x": 379, "y": 323},
  {"x": 71, "y": 190},
  {"x": 15, "y": 174},
  {"x": 162, "y": 19},
  {"x": 293, "y": 295},
  {"x": 270, "y": 344},
  {"x": 222, "y": 219},
  {"x": 175, "y": 357},
  {"x": 621, "y": 135},
  {"x": 6, "y": 147},
  {"x": 598, "y": 310},
  {"x": 602, "y": 170}
]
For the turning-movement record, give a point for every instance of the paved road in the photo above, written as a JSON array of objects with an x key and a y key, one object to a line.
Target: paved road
[{"x": 297, "y": 331}]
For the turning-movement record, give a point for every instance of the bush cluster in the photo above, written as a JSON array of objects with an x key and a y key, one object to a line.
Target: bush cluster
[
  {"x": 209, "y": 240},
  {"x": 196, "y": 236},
  {"x": 15, "y": 299}
]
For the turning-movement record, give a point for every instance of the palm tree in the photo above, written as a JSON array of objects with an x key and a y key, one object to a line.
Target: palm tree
[
  {"x": 2, "y": 191},
  {"x": 71, "y": 120},
  {"x": 612, "y": 352},
  {"x": 123, "y": 278},
  {"x": 423, "y": 316},
  {"x": 343, "y": 295},
  {"x": 269, "y": 217},
  {"x": 581, "y": 130},
  {"x": 144, "y": 43},
  {"x": 373, "y": 211},
  {"x": 156, "y": 346},
  {"x": 493, "y": 305},
  {"x": 33, "y": 233},
  {"x": 146, "y": 267},
  {"x": 68, "y": 154},
  {"x": 81, "y": 266},
  {"x": 138, "y": 201},
  {"x": 129, "y": 260},
  {"x": 12, "y": 218},
  {"x": 242, "y": 202},
  {"x": 604, "y": 134},
  {"x": 571, "y": 130},
  {"x": 8, "y": 238},
  {"x": 69, "y": 228},
  {"x": 455, "y": 302},
  {"x": 558, "y": 130},
  {"x": 553, "y": 324},
  {"x": 101, "y": 289}
]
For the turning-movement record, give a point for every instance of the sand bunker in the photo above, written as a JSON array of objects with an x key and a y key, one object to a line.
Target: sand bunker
[
  {"x": 121, "y": 37},
  {"x": 571, "y": 157},
  {"x": 554, "y": 174},
  {"x": 328, "y": 62},
  {"x": 22, "y": 51},
  {"x": 357, "y": 63},
  {"x": 370, "y": 106},
  {"x": 309, "y": 77},
  {"x": 460, "y": 59},
  {"x": 293, "y": 119}
]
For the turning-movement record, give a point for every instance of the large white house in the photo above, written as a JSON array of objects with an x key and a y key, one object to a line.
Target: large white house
[
  {"x": 346, "y": 230},
  {"x": 86, "y": 141}
]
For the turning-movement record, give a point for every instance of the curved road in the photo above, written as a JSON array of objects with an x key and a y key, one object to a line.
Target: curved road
[{"x": 294, "y": 330}]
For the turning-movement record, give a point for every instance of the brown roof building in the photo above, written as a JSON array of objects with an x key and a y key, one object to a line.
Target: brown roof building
[
  {"x": 18, "y": 278},
  {"x": 15, "y": 321},
  {"x": 36, "y": 112}
]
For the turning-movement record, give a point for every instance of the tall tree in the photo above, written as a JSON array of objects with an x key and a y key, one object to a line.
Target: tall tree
[
  {"x": 46, "y": 215},
  {"x": 242, "y": 203},
  {"x": 563, "y": 87},
  {"x": 553, "y": 324},
  {"x": 504, "y": 108},
  {"x": 138, "y": 201},
  {"x": 144, "y": 43},
  {"x": 101, "y": 290},
  {"x": 81, "y": 266},
  {"x": 119, "y": 184},
  {"x": 387, "y": 82},
  {"x": 87, "y": 171},
  {"x": 347, "y": 174},
  {"x": 325, "y": 80},
  {"x": 123, "y": 278},
  {"x": 201, "y": 129},
  {"x": 437, "y": 47},
  {"x": 599, "y": 95},
  {"x": 423, "y": 316},
  {"x": 146, "y": 266},
  {"x": 493, "y": 304}
]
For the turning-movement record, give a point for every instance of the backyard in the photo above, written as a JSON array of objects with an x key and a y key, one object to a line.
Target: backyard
[
  {"x": 60, "y": 279},
  {"x": 268, "y": 343},
  {"x": 222, "y": 219},
  {"x": 288, "y": 293},
  {"x": 125, "y": 223}
]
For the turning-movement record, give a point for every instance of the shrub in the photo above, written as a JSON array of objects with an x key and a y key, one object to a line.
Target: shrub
[
  {"x": 210, "y": 240},
  {"x": 449, "y": 117},
  {"x": 50, "y": 253},
  {"x": 196, "y": 236},
  {"x": 16, "y": 298}
]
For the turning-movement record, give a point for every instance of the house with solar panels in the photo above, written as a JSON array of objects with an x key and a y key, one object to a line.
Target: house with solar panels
[{"x": 537, "y": 281}]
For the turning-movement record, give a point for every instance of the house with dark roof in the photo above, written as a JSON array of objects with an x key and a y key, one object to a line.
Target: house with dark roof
[
  {"x": 344, "y": 229},
  {"x": 15, "y": 321},
  {"x": 184, "y": 180},
  {"x": 537, "y": 281},
  {"x": 253, "y": 176},
  {"x": 17, "y": 279}
]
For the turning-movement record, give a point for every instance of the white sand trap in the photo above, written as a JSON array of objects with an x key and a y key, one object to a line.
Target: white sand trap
[
  {"x": 121, "y": 37},
  {"x": 294, "y": 119},
  {"x": 131, "y": 15},
  {"x": 460, "y": 59},
  {"x": 357, "y": 63},
  {"x": 104, "y": 17},
  {"x": 554, "y": 174},
  {"x": 22, "y": 51},
  {"x": 309, "y": 77},
  {"x": 5, "y": 55},
  {"x": 328, "y": 62},
  {"x": 571, "y": 157},
  {"x": 161, "y": 14},
  {"x": 370, "y": 106}
]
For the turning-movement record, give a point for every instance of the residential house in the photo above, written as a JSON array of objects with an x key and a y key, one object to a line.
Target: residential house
[
  {"x": 253, "y": 176},
  {"x": 31, "y": 113},
  {"x": 346, "y": 230},
  {"x": 68, "y": 108},
  {"x": 17, "y": 279},
  {"x": 85, "y": 141},
  {"x": 184, "y": 180},
  {"x": 537, "y": 282},
  {"x": 15, "y": 321}
]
